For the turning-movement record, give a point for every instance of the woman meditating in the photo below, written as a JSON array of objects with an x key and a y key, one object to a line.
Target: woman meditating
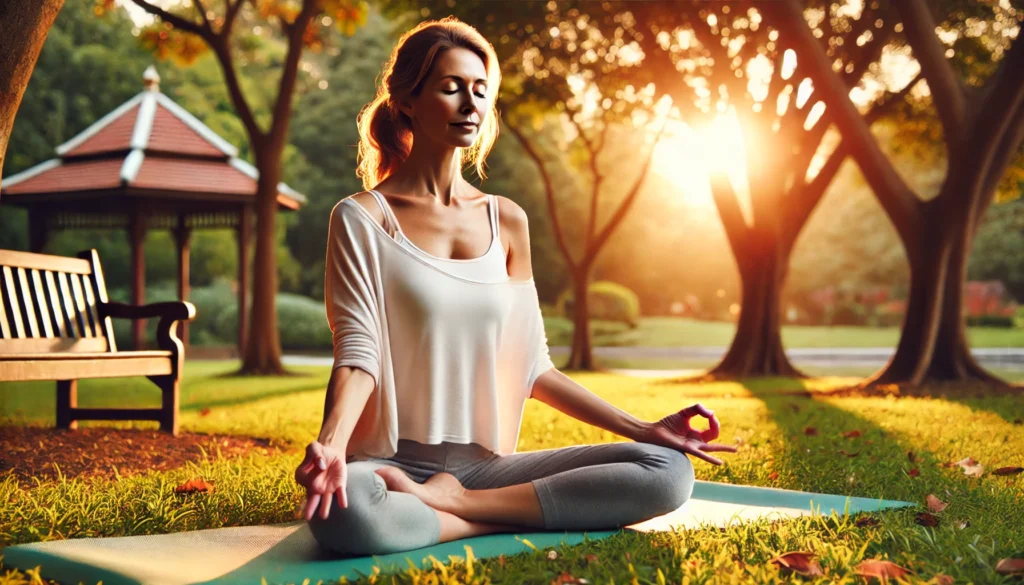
[{"x": 439, "y": 340}]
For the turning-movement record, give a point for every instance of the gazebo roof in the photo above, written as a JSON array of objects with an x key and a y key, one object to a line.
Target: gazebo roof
[{"x": 149, "y": 148}]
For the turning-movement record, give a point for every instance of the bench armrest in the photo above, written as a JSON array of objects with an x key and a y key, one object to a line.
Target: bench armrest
[
  {"x": 174, "y": 310},
  {"x": 169, "y": 313}
]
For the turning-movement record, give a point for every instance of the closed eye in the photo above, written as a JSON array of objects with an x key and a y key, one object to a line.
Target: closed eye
[{"x": 456, "y": 91}]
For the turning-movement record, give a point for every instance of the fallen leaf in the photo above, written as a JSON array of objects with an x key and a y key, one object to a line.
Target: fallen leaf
[
  {"x": 192, "y": 486},
  {"x": 800, "y": 562},
  {"x": 204, "y": 411},
  {"x": 1010, "y": 566},
  {"x": 851, "y": 434},
  {"x": 880, "y": 569},
  {"x": 567, "y": 577},
  {"x": 914, "y": 472},
  {"x": 848, "y": 454},
  {"x": 971, "y": 467},
  {"x": 963, "y": 524},
  {"x": 942, "y": 579},
  {"x": 1008, "y": 471},
  {"x": 773, "y": 475},
  {"x": 911, "y": 456},
  {"x": 926, "y": 519},
  {"x": 1018, "y": 421},
  {"x": 591, "y": 558},
  {"x": 866, "y": 521},
  {"x": 810, "y": 431},
  {"x": 935, "y": 504}
]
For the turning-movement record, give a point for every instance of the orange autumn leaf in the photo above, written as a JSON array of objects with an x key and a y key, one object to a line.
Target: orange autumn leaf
[
  {"x": 879, "y": 569},
  {"x": 1008, "y": 471},
  {"x": 773, "y": 475},
  {"x": 942, "y": 579},
  {"x": 1010, "y": 567},
  {"x": 800, "y": 562},
  {"x": 914, "y": 472},
  {"x": 567, "y": 577},
  {"x": 935, "y": 504},
  {"x": 192, "y": 486},
  {"x": 204, "y": 411},
  {"x": 851, "y": 434},
  {"x": 810, "y": 431}
]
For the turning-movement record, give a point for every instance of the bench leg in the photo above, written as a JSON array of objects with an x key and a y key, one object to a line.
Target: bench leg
[
  {"x": 67, "y": 398},
  {"x": 170, "y": 389}
]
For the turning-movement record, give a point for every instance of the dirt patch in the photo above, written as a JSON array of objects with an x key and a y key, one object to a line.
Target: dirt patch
[{"x": 31, "y": 451}]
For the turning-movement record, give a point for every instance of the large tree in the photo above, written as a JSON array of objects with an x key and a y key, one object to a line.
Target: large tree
[
  {"x": 302, "y": 24},
  {"x": 982, "y": 124},
  {"x": 23, "y": 28}
]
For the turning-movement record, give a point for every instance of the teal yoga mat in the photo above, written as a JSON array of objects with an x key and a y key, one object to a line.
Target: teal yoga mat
[{"x": 287, "y": 553}]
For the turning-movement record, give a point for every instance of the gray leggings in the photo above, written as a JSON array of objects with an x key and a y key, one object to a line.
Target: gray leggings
[{"x": 583, "y": 487}]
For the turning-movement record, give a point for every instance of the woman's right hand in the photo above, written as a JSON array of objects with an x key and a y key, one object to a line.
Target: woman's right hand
[{"x": 323, "y": 473}]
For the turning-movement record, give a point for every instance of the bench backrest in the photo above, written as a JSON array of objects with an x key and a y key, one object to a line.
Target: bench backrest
[{"x": 51, "y": 304}]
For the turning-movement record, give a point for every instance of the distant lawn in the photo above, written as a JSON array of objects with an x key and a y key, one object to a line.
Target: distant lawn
[
  {"x": 677, "y": 331},
  {"x": 769, "y": 426}
]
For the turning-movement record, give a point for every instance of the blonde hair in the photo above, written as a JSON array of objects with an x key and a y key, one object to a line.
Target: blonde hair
[{"x": 385, "y": 133}]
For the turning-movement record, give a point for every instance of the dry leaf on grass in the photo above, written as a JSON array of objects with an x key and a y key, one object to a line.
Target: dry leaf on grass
[
  {"x": 192, "y": 486},
  {"x": 773, "y": 475},
  {"x": 810, "y": 431},
  {"x": 926, "y": 519},
  {"x": 851, "y": 434},
  {"x": 565, "y": 577},
  {"x": 935, "y": 504},
  {"x": 800, "y": 562},
  {"x": 1010, "y": 567},
  {"x": 911, "y": 456},
  {"x": 971, "y": 467},
  {"x": 914, "y": 472},
  {"x": 942, "y": 579},
  {"x": 866, "y": 521},
  {"x": 880, "y": 569},
  {"x": 1008, "y": 471},
  {"x": 849, "y": 454}
]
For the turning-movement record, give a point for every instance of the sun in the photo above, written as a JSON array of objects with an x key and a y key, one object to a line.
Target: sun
[{"x": 687, "y": 156}]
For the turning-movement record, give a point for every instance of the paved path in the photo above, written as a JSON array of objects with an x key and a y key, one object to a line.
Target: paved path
[{"x": 1008, "y": 357}]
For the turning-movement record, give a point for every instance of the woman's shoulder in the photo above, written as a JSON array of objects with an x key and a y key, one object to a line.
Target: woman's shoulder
[{"x": 364, "y": 199}]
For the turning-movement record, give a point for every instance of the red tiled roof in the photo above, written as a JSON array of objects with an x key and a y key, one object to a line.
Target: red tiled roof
[
  {"x": 171, "y": 134},
  {"x": 192, "y": 175},
  {"x": 74, "y": 176},
  {"x": 115, "y": 136}
]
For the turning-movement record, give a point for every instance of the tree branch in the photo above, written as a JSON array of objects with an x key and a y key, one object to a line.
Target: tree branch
[
  {"x": 947, "y": 89},
  {"x": 176, "y": 21}
]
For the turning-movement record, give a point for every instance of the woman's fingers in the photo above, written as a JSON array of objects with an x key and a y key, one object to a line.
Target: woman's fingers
[
  {"x": 325, "y": 504},
  {"x": 312, "y": 501},
  {"x": 713, "y": 429},
  {"x": 718, "y": 447},
  {"x": 342, "y": 496},
  {"x": 709, "y": 458}
]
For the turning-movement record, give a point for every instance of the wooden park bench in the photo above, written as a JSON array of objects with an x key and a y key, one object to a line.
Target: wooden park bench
[{"x": 55, "y": 324}]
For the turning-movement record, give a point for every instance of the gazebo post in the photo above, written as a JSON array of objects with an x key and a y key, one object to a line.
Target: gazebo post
[
  {"x": 37, "y": 231},
  {"x": 183, "y": 238},
  {"x": 137, "y": 237},
  {"x": 244, "y": 233}
]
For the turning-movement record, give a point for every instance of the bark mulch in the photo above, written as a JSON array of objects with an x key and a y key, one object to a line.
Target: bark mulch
[{"x": 31, "y": 451}]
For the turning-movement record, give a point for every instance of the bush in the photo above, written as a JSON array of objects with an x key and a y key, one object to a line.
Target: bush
[
  {"x": 990, "y": 321},
  {"x": 302, "y": 323},
  {"x": 606, "y": 300}
]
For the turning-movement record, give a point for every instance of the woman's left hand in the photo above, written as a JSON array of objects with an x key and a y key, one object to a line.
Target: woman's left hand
[{"x": 674, "y": 431}]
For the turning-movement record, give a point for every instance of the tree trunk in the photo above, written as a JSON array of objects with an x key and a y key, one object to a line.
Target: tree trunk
[
  {"x": 581, "y": 356},
  {"x": 24, "y": 25},
  {"x": 756, "y": 349},
  {"x": 263, "y": 349}
]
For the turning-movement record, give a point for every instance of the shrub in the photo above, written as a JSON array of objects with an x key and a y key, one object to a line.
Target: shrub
[
  {"x": 606, "y": 300},
  {"x": 302, "y": 323},
  {"x": 990, "y": 321}
]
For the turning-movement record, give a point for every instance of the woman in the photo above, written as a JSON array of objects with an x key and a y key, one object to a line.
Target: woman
[{"x": 439, "y": 343}]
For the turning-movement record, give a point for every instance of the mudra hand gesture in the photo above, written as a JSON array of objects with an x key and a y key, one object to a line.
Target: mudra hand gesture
[{"x": 674, "y": 431}]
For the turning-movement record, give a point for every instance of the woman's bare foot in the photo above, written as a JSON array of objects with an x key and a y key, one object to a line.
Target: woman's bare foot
[
  {"x": 442, "y": 491},
  {"x": 453, "y": 527}
]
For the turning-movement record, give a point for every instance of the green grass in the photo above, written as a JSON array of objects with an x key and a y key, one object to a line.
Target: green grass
[
  {"x": 677, "y": 331},
  {"x": 769, "y": 425}
]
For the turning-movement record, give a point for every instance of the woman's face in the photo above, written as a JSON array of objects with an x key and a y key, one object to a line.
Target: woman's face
[{"x": 454, "y": 92}]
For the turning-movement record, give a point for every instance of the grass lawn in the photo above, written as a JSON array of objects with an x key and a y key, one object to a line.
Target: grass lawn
[
  {"x": 983, "y": 523},
  {"x": 677, "y": 331}
]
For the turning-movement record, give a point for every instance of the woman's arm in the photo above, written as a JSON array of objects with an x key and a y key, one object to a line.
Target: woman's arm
[
  {"x": 566, "y": 395},
  {"x": 347, "y": 392}
]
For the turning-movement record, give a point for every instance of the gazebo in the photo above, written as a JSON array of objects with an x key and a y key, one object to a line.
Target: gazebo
[{"x": 148, "y": 164}]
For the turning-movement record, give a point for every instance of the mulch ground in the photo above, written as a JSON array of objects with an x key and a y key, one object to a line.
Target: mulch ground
[{"x": 36, "y": 452}]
